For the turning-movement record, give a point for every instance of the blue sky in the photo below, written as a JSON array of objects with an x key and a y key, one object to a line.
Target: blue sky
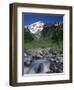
[{"x": 30, "y": 18}]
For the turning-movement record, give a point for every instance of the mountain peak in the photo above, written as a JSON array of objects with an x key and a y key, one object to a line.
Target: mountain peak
[{"x": 36, "y": 27}]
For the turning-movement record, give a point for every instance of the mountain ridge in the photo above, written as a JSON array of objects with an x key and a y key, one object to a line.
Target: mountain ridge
[{"x": 40, "y": 30}]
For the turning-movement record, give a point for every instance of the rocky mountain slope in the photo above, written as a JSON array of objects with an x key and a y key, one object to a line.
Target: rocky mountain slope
[{"x": 40, "y": 30}]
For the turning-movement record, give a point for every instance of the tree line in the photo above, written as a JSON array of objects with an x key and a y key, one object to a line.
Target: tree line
[{"x": 52, "y": 33}]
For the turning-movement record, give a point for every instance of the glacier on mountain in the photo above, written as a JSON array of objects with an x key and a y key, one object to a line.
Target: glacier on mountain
[{"x": 36, "y": 27}]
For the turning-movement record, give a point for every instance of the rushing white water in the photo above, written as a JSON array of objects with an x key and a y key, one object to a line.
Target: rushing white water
[{"x": 42, "y": 65}]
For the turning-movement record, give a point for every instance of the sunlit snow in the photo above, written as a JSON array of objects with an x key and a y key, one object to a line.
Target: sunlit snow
[{"x": 36, "y": 27}]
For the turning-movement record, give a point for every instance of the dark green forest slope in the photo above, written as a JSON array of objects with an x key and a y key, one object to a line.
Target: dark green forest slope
[{"x": 51, "y": 36}]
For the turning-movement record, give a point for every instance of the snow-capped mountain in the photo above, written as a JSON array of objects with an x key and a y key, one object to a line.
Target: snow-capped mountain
[
  {"x": 39, "y": 30},
  {"x": 36, "y": 27}
]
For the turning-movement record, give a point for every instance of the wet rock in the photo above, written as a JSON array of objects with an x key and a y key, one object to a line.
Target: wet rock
[
  {"x": 39, "y": 69},
  {"x": 43, "y": 60},
  {"x": 59, "y": 59}
]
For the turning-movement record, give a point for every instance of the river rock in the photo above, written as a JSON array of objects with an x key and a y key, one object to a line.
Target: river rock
[{"x": 43, "y": 60}]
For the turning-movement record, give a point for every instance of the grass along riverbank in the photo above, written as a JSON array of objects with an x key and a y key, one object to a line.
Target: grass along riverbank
[{"x": 43, "y": 44}]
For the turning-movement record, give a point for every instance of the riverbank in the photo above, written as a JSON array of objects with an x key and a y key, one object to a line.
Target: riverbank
[{"x": 43, "y": 60}]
